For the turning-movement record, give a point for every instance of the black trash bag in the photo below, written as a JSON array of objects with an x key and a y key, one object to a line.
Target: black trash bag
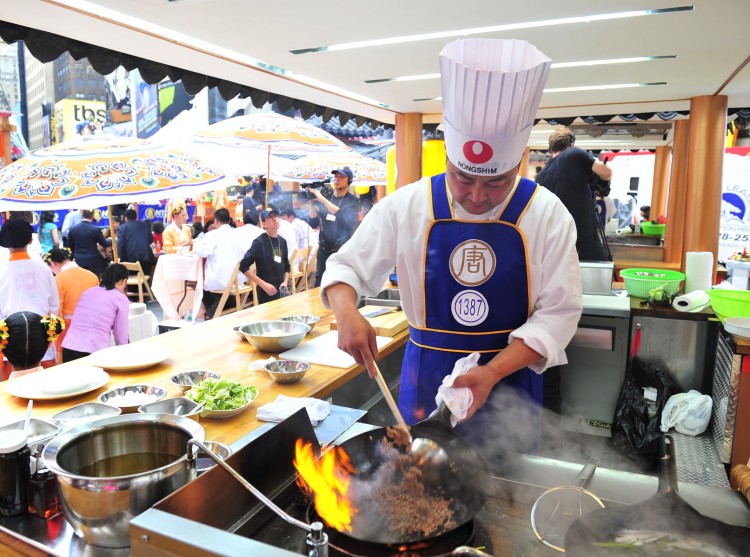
[{"x": 634, "y": 431}]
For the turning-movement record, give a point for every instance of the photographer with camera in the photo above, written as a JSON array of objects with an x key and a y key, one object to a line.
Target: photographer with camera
[
  {"x": 567, "y": 175},
  {"x": 336, "y": 218}
]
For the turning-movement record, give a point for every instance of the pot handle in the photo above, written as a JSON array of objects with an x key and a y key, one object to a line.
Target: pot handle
[{"x": 247, "y": 485}]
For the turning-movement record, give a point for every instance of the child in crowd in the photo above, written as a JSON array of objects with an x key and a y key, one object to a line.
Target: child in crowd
[{"x": 24, "y": 338}]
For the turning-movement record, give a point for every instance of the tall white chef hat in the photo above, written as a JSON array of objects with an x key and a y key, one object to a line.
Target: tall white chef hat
[{"x": 491, "y": 90}]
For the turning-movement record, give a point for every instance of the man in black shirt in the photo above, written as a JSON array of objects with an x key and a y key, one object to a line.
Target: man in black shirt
[
  {"x": 337, "y": 218},
  {"x": 567, "y": 175},
  {"x": 271, "y": 257}
]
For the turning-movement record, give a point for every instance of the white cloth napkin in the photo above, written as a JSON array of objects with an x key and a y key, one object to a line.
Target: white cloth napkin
[
  {"x": 284, "y": 406},
  {"x": 457, "y": 399},
  {"x": 259, "y": 364}
]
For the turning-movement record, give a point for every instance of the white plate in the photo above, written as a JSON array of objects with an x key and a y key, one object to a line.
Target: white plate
[
  {"x": 37, "y": 385},
  {"x": 738, "y": 326},
  {"x": 125, "y": 357}
]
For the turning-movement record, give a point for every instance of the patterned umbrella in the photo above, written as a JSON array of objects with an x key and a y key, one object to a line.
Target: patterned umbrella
[
  {"x": 282, "y": 134},
  {"x": 97, "y": 170},
  {"x": 316, "y": 167}
]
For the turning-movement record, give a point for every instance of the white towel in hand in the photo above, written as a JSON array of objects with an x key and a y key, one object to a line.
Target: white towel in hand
[
  {"x": 457, "y": 399},
  {"x": 259, "y": 364},
  {"x": 284, "y": 406}
]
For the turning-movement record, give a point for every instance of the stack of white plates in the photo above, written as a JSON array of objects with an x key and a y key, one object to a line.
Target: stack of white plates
[{"x": 137, "y": 308}]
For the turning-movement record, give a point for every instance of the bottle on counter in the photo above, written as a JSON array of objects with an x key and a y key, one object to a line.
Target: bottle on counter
[
  {"x": 42, "y": 489},
  {"x": 14, "y": 472}
]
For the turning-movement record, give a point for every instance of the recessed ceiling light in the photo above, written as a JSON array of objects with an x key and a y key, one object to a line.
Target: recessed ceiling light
[
  {"x": 579, "y": 88},
  {"x": 602, "y": 87},
  {"x": 491, "y": 29},
  {"x": 554, "y": 65}
]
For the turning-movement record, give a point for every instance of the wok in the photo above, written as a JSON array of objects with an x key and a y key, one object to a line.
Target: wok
[
  {"x": 595, "y": 534},
  {"x": 463, "y": 478}
]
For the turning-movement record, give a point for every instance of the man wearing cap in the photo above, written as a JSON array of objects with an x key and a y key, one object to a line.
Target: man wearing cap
[
  {"x": 567, "y": 175},
  {"x": 27, "y": 285},
  {"x": 336, "y": 218},
  {"x": 271, "y": 257},
  {"x": 486, "y": 260}
]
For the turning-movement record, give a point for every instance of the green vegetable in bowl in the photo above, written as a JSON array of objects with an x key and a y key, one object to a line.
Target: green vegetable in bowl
[{"x": 222, "y": 394}]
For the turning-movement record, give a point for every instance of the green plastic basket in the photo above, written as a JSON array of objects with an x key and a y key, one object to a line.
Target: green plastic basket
[
  {"x": 639, "y": 281},
  {"x": 651, "y": 229},
  {"x": 730, "y": 303}
]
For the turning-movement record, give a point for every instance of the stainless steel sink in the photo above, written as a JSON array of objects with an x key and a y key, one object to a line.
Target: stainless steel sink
[{"x": 389, "y": 297}]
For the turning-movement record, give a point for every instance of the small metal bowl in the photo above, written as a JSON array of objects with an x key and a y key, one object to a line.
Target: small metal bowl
[
  {"x": 141, "y": 394},
  {"x": 287, "y": 371},
  {"x": 205, "y": 462},
  {"x": 84, "y": 413},
  {"x": 180, "y": 406},
  {"x": 238, "y": 332},
  {"x": 309, "y": 320},
  {"x": 274, "y": 336},
  {"x": 189, "y": 379}
]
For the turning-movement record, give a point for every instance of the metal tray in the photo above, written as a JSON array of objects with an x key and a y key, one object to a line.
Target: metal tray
[
  {"x": 40, "y": 431},
  {"x": 84, "y": 413}
]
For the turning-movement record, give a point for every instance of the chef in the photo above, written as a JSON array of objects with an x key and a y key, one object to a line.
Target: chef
[{"x": 486, "y": 260}]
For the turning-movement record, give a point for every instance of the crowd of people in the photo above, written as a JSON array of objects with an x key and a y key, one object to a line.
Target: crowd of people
[{"x": 66, "y": 283}]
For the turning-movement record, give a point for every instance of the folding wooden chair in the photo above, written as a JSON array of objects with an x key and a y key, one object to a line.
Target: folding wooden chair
[
  {"x": 241, "y": 294},
  {"x": 138, "y": 279},
  {"x": 312, "y": 267},
  {"x": 297, "y": 278}
]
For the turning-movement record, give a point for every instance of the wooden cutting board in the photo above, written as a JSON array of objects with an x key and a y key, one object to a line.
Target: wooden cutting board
[{"x": 385, "y": 325}]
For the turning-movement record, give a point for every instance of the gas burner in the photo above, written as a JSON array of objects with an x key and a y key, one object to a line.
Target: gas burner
[{"x": 341, "y": 544}]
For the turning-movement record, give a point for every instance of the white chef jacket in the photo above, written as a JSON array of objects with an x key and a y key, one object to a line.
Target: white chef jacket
[
  {"x": 246, "y": 234},
  {"x": 222, "y": 250},
  {"x": 289, "y": 233},
  {"x": 394, "y": 233},
  {"x": 29, "y": 285},
  {"x": 305, "y": 233}
]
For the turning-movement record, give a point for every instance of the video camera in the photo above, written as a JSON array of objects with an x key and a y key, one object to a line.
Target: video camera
[{"x": 325, "y": 189}]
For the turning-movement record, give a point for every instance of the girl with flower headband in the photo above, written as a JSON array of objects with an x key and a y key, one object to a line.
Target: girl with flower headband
[
  {"x": 25, "y": 337},
  {"x": 177, "y": 234},
  {"x": 27, "y": 284}
]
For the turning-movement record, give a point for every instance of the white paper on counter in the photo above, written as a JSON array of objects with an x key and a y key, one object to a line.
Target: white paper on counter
[
  {"x": 699, "y": 268},
  {"x": 324, "y": 351},
  {"x": 695, "y": 301}
]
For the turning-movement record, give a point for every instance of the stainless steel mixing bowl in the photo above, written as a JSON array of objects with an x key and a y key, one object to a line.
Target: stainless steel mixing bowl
[{"x": 274, "y": 336}]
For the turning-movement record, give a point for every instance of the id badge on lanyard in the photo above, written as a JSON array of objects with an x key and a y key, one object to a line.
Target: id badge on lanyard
[
  {"x": 277, "y": 259},
  {"x": 330, "y": 217}
]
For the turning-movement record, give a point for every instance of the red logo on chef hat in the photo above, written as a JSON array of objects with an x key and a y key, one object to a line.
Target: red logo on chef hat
[{"x": 477, "y": 152}]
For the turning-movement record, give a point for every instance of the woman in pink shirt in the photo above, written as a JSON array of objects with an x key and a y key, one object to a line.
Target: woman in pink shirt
[{"x": 101, "y": 310}]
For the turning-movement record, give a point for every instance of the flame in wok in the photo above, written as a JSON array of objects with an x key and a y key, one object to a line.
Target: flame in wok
[{"x": 327, "y": 480}]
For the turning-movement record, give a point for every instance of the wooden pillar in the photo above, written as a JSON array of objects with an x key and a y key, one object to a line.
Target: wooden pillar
[
  {"x": 675, "y": 234},
  {"x": 661, "y": 182},
  {"x": 5, "y": 129},
  {"x": 708, "y": 116},
  {"x": 523, "y": 170},
  {"x": 408, "y": 148}
]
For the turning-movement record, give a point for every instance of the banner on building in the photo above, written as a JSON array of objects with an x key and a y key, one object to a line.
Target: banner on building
[{"x": 74, "y": 117}]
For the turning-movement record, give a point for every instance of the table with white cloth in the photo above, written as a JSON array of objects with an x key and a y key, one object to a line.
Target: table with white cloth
[
  {"x": 178, "y": 284},
  {"x": 142, "y": 326}
]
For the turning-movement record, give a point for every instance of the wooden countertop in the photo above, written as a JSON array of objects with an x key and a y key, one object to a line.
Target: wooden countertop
[{"x": 214, "y": 346}]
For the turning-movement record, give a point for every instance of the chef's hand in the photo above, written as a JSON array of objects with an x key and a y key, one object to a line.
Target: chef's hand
[
  {"x": 480, "y": 382},
  {"x": 268, "y": 288},
  {"x": 357, "y": 337}
]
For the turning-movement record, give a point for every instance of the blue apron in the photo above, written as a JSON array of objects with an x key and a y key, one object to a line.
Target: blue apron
[{"x": 476, "y": 292}]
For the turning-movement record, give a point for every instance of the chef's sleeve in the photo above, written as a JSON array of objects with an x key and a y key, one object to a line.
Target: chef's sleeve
[{"x": 556, "y": 293}]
